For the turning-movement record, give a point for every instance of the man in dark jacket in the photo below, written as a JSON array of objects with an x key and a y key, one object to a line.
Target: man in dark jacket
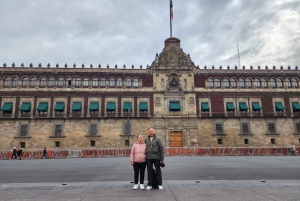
[
  {"x": 19, "y": 153},
  {"x": 44, "y": 153},
  {"x": 154, "y": 155},
  {"x": 14, "y": 153}
]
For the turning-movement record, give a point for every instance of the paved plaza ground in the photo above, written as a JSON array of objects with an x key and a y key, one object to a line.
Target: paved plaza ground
[{"x": 185, "y": 178}]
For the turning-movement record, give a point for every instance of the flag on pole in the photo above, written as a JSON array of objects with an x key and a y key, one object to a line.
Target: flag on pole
[{"x": 171, "y": 9}]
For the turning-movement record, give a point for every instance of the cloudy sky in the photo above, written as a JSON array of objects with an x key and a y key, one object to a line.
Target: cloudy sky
[{"x": 133, "y": 31}]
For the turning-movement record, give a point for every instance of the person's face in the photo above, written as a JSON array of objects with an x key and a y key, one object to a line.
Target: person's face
[
  {"x": 140, "y": 138},
  {"x": 151, "y": 132}
]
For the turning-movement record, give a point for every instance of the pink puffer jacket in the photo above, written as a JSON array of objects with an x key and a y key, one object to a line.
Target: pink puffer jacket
[{"x": 138, "y": 152}]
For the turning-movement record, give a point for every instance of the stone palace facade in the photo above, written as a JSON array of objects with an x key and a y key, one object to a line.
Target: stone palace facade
[{"x": 107, "y": 107}]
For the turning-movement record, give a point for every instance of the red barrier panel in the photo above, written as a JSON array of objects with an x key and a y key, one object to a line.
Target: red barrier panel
[{"x": 169, "y": 151}]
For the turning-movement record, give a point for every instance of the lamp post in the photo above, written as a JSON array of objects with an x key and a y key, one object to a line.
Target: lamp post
[{"x": 128, "y": 127}]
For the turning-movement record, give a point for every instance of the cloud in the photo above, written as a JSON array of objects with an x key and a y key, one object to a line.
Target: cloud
[{"x": 133, "y": 31}]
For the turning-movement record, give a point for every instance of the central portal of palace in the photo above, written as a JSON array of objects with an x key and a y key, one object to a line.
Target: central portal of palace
[{"x": 176, "y": 139}]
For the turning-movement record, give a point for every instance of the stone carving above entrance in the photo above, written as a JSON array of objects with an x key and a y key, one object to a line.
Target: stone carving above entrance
[
  {"x": 157, "y": 102},
  {"x": 191, "y": 101},
  {"x": 173, "y": 82}
]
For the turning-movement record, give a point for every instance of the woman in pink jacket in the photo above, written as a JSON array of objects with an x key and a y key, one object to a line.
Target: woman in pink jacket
[{"x": 138, "y": 161}]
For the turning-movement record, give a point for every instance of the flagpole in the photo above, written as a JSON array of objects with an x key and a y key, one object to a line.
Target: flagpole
[{"x": 170, "y": 20}]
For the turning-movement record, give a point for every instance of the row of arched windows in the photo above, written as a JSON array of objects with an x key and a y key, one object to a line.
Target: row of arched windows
[
  {"x": 112, "y": 82},
  {"x": 259, "y": 83}
]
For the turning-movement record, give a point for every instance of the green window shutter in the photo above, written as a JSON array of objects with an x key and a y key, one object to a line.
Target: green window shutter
[
  {"x": 296, "y": 107},
  {"x": 7, "y": 107},
  {"x": 59, "y": 106},
  {"x": 42, "y": 107},
  {"x": 143, "y": 106},
  {"x": 230, "y": 106},
  {"x": 256, "y": 106},
  {"x": 111, "y": 106},
  {"x": 127, "y": 106},
  {"x": 243, "y": 106},
  {"x": 25, "y": 107},
  {"x": 174, "y": 106},
  {"x": 76, "y": 106},
  {"x": 94, "y": 106},
  {"x": 279, "y": 106},
  {"x": 205, "y": 106}
]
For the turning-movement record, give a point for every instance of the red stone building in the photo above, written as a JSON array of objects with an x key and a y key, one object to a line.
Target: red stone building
[{"x": 78, "y": 107}]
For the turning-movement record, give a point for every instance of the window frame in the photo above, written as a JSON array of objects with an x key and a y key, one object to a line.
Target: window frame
[
  {"x": 242, "y": 124},
  {"x": 268, "y": 124}
]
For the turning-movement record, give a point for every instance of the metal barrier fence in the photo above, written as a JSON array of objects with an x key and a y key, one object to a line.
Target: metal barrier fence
[{"x": 169, "y": 151}]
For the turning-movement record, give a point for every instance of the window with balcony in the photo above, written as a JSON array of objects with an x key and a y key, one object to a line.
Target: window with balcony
[
  {"x": 7, "y": 81},
  {"x": 15, "y": 81},
  {"x": 135, "y": 82},
  {"x": 119, "y": 82},
  {"x": 273, "y": 82},
  {"x": 51, "y": 82},
  {"x": 279, "y": 82},
  {"x": 68, "y": 82},
  {"x": 102, "y": 82},
  {"x": 257, "y": 83},
  {"x": 112, "y": 82},
  {"x": 226, "y": 83},
  {"x": 248, "y": 82},
  {"x": 128, "y": 82},
  {"x": 288, "y": 82},
  {"x": 264, "y": 83},
  {"x": 95, "y": 82},
  {"x": 25, "y": 81},
  {"x": 78, "y": 82},
  {"x": 43, "y": 82},
  {"x": 233, "y": 83},
  {"x": 60, "y": 82},
  {"x": 217, "y": 82},
  {"x": 210, "y": 82},
  {"x": 85, "y": 82},
  {"x": 242, "y": 83},
  {"x": 295, "y": 82}
]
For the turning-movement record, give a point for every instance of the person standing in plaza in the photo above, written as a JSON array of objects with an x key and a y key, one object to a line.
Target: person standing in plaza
[
  {"x": 44, "y": 153},
  {"x": 138, "y": 161},
  {"x": 14, "y": 153},
  {"x": 19, "y": 153},
  {"x": 154, "y": 156}
]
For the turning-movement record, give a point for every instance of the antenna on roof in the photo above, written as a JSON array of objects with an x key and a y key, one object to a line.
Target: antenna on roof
[{"x": 238, "y": 50}]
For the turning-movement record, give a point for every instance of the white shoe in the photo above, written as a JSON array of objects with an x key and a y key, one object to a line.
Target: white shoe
[
  {"x": 135, "y": 187},
  {"x": 160, "y": 188},
  {"x": 149, "y": 188},
  {"x": 142, "y": 186}
]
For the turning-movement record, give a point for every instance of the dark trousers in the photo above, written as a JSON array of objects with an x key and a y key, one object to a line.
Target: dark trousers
[
  {"x": 20, "y": 156},
  {"x": 44, "y": 155},
  {"x": 14, "y": 155},
  {"x": 139, "y": 168},
  {"x": 156, "y": 163}
]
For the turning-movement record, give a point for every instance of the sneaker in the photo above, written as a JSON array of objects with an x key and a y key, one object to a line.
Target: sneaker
[
  {"x": 149, "y": 188},
  {"x": 135, "y": 187},
  {"x": 142, "y": 186},
  {"x": 160, "y": 188}
]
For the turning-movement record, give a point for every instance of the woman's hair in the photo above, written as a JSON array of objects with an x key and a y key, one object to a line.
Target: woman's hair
[{"x": 139, "y": 135}]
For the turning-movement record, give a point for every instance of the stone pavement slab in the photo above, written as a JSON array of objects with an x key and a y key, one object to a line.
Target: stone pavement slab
[{"x": 183, "y": 190}]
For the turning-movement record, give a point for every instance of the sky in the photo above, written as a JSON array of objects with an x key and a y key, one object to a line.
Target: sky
[{"x": 131, "y": 32}]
